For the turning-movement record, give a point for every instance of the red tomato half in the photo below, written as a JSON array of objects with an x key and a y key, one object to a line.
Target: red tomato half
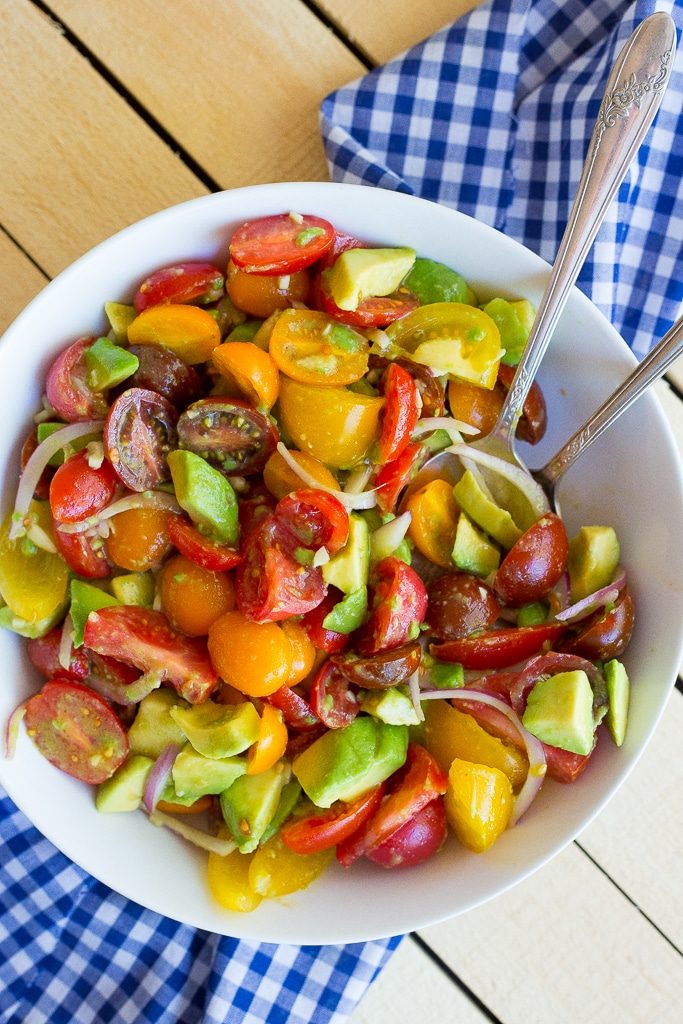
[
  {"x": 199, "y": 549},
  {"x": 322, "y": 831},
  {"x": 139, "y": 433},
  {"x": 79, "y": 554},
  {"x": 44, "y": 655},
  {"x": 416, "y": 841},
  {"x": 395, "y": 475},
  {"x": 400, "y": 413},
  {"x": 78, "y": 490},
  {"x": 297, "y": 712},
  {"x": 67, "y": 389},
  {"x": 332, "y": 699},
  {"x": 498, "y": 648},
  {"x": 183, "y": 282},
  {"x": 327, "y": 640},
  {"x": 315, "y": 519},
  {"x": 400, "y": 605},
  {"x": 76, "y": 730},
  {"x": 280, "y": 244},
  {"x": 377, "y": 311}
]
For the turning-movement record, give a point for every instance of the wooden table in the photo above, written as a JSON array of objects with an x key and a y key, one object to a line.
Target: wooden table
[{"x": 117, "y": 108}]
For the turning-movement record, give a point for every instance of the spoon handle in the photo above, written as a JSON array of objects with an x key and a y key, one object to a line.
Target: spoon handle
[
  {"x": 650, "y": 369},
  {"x": 632, "y": 97}
]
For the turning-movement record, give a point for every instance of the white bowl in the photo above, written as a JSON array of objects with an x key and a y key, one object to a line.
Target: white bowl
[{"x": 631, "y": 478}]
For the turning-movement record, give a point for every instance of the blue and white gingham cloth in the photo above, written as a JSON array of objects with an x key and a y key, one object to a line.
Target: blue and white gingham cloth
[{"x": 492, "y": 116}]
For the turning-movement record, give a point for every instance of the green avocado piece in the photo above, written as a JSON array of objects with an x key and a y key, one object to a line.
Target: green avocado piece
[
  {"x": 44, "y": 430},
  {"x": 22, "y": 627},
  {"x": 206, "y": 496},
  {"x": 108, "y": 364},
  {"x": 559, "y": 711},
  {"x": 619, "y": 694},
  {"x": 349, "y": 613},
  {"x": 120, "y": 317},
  {"x": 513, "y": 333},
  {"x": 443, "y": 675},
  {"x": 153, "y": 728},
  {"x": 593, "y": 557},
  {"x": 431, "y": 281},
  {"x": 532, "y": 614},
  {"x": 526, "y": 311},
  {"x": 359, "y": 274},
  {"x": 123, "y": 791},
  {"x": 493, "y": 519},
  {"x": 391, "y": 706},
  {"x": 245, "y": 331},
  {"x": 472, "y": 550},
  {"x": 289, "y": 798},
  {"x": 344, "y": 763},
  {"x": 218, "y": 730},
  {"x": 135, "y": 588},
  {"x": 251, "y": 803},
  {"x": 349, "y": 569},
  {"x": 195, "y": 775},
  {"x": 86, "y": 598}
]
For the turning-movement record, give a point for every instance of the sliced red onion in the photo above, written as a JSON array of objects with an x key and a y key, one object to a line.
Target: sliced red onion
[
  {"x": 534, "y": 747},
  {"x": 33, "y": 470},
  {"x": 367, "y": 499},
  {"x": 454, "y": 428},
  {"x": 416, "y": 695},
  {"x": 66, "y": 643},
  {"x": 148, "y": 499},
  {"x": 598, "y": 599},
  {"x": 387, "y": 538},
  {"x": 12, "y": 727},
  {"x": 519, "y": 478},
  {"x": 194, "y": 835},
  {"x": 159, "y": 776}
]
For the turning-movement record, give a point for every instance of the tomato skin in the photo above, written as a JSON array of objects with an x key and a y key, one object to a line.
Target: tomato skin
[
  {"x": 381, "y": 671},
  {"x": 400, "y": 603},
  {"x": 416, "y": 841},
  {"x": 322, "y": 831},
  {"x": 323, "y": 639},
  {"x": 44, "y": 655},
  {"x": 377, "y": 311},
  {"x": 79, "y": 554},
  {"x": 67, "y": 389},
  {"x": 163, "y": 371},
  {"x": 400, "y": 414},
  {"x": 305, "y": 347},
  {"x": 460, "y": 604},
  {"x": 498, "y": 648},
  {"x": 480, "y": 407},
  {"x": 229, "y": 433},
  {"x": 191, "y": 543},
  {"x": 78, "y": 490},
  {"x": 315, "y": 519},
  {"x": 432, "y": 391},
  {"x": 535, "y": 563},
  {"x": 271, "y": 743},
  {"x": 139, "y": 432},
  {"x": 268, "y": 245},
  {"x": 395, "y": 475},
  {"x": 332, "y": 700},
  {"x": 298, "y": 713},
  {"x": 606, "y": 633},
  {"x": 183, "y": 282}
]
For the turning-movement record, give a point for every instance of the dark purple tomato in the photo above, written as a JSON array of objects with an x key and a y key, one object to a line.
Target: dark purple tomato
[
  {"x": 420, "y": 838},
  {"x": 163, "y": 371},
  {"x": 460, "y": 604},
  {"x": 139, "y": 433},
  {"x": 606, "y": 633},
  {"x": 381, "y": 671},
  {"x": 229, "y": 433},
  {"x": 534, "y": 564}
]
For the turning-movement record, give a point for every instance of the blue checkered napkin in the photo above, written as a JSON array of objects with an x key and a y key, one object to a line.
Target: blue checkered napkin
[
  {"x": 74, "y": 952},
  {"x": 493, "y": 116}
]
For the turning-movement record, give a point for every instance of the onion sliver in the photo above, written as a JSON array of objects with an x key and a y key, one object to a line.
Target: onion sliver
[
  {"x": 159, "y": 775},
  {"x": 591, "y": 603},
  {"x": 454, "y": 428},
  {"x": 12, "y": 729},
  {"x": 358, "y": 480},
  {"x": 33, "y": 470},
  {"x": 148, "y": 499},
  {"x": 387, "y": 538},
  {"x": 365, "y": 500},
  {"x": 534, "y": 747},
  {"x": 321, "y": 557},
  {"x": 416, "y": 695},
  {"x": 519, "y": 478},
  {"x": 194, "y": 835},
  {"x": 66, "y": 643}
]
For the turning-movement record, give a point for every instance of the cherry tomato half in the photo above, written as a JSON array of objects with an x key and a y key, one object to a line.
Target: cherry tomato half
[
  {"x": 376, "y": 311},
  {"x": 480, "y": 407},
  {"x": 271, "y": 742},
  {"x": 535, "y": 563},
  {"x": 280, "y": 244},
  {"x": 322, "y": 831},
  {"x": 67, "y": 388},
  {"x": 381, "y": 671},
  {"x": 498, "y": 648},
  {"x": 78, "y": 490},
  {"x": 416, "y": 841},
  {"x": 395, "y": 475},
  {"x": 460, "y": 604},
  {"x": 432, "y": 390},
  {"x": 183, "y": 282},
  {"x": 199, "y": 549},
  {"x": 327, "y": 640},
  {"x": 163, "y": 371},
  {"x": 139, "y": 433},
  {"x": 86, "y": 556},
  {"x": 399, "y": 607},
  {"x": 332, "y": 699},
  {"x": 44, "y": 655},
  {"x": 310, "y": 347},
  {"x": 607, "y": 632},
  {"x": 315, "y": 519},
  {"x": 297, "y": 712},
  {"x": 229, "y": 433},
  {"x": 400, "y": 413}
]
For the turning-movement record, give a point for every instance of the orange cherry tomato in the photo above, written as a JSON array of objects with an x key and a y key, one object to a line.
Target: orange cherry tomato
[
  {"x": 193, "y": 597},
  {"x": 188, "y": 331},
  {"x": 262, "y": 295},
  {"x": 271, "y": 742},
  {"x": 434, "y": 520},
  {"x": 303, "y": 651},
  {"x": 251, "y": 369},
  {"x": 256, "y": 658},
  {"x": 312, "y": 348},
  {"x": 281, "y": 480},
  {"x": 139, "y": 539}
]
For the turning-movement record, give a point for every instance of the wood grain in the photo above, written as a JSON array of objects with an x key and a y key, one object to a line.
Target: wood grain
[{"x": 20, "y": 280}]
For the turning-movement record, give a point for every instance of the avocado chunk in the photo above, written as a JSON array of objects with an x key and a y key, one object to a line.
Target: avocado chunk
[
  {"x": 108, "y": 364},
  {"x": 359, "y": 274},
  {"x": 619, "y": 695},
  {"x": 559, "y": 711},
  {"x": 251, "y": 803},
  {"x": 391, "y": 706},
  {"x": 349, "y": 613},
  {"x": 124, "y": 790},
  {"x": 153, "y": 728},
  {"x": 195, "y": 775},
  {"x": 134, "y": 588},
  {"x": 86, "y": 598},
  {"x": 245, "y": 331},
  {"x": 472, "y": 550},
  {"x": 496, "y": 521},
  {"x": 348, "y": 570},
  {"x": 513, "y": 333},
  {"x": 44, "y": 430},
  {"x": 218, "y": 730},
  {"x": 593, "y": 558},
  {"x": 526, "y": 311},
  {"x": 120, "y": 317},
  {"x": 289, "y": 798},
  {"x": 344, "y": 763},
  {"x": 206, "y": 495},
  {"x": 431, "y": 281}
]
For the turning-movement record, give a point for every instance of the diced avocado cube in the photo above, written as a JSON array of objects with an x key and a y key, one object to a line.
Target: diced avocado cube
[
  {"x": 135, "y": 588},
  {"x": 124, "y": 790},
  {"x": 526, "y": 311},
  {"x": 344, "y": 763},
  {"x": 390, "y": 706},
  {"x": 251, "y": 803},
  {"x": 195, "y": 775},
  {"x": 593, "y": 557},
  {"x": 349, "y": 569},
  {"x": 444, "y": 675},
  {"x": 435, "y": 282},
  {"x": 86, "y": 598},
  {"x": 349, "y": 613},
  {"x": 513, "y": 333},
  {"x": 496, "y": 521},
  {"x": 559, "y": 711},
  {"x": 245, "y": 331},
  {"x": 472, "y": 550},
  {"x": 43, "y": 430},
  {"x": 153, "y": 728},
  {"x": 218, "y": 730},
  {"x": 120, "y": 318},
  {"x": 288, "y": 801},
  {"x": 532, "y": 614},
  {"x": 619, "y": 694},
  {"x": 108, "y": 364},
  {"x": 206, "y": 496},
  {"x": 359, "y": 274}
]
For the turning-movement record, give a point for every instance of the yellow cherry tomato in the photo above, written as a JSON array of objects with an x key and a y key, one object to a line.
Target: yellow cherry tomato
[
  {"x": 452, "y": 338},
  {"x": 281, "y": 480},
  {"x": 255, "y": 658},
  {"x": 276, "y": 871},
  {"x": 139, "y": 539},
  {"x": 263, "y": 294},
  {"x": 333, "y": 425},
  {"x": 313, "y": 348},
  {"x": 193, "y": 597},
  {"x": 450, "y": 733},
  {"x": 33, "y": 582},
  {"x": 478, "y": 803},
  {"x": 188, "y": 331},
  {"x": 250, "y": 369},
  {"x": 228, "y": 879},
  {"x": 303, "y": 651},
  {"x": 271, "y": 742},
  {"x": 434, "y": 520}
]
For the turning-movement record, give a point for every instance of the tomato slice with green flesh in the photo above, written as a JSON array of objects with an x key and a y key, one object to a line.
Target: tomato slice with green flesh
[
  {"x": 280, "y": 244},
  {"x": 323, "y": 831},
  {"x": 229, "y": 433},
  {"x": 400, "y": 605},
  {"x": 395, "y": 475},
  {"x": 420, "y": 781},
  {"x": 323, "y": 639},
  {"x": 86, "y": 556},
  {"x": 199, "y": 549},
  {"x": 67, "y": 389},
  {"x": 139, "y": 433},
  {"x": 310, "y": 347},
  {"x": 183, "y": 282},
  {"x": 145, "y": 639},
  {"x": 376, "y": 311},
  {"x": 498, "y": 648},
  {"x": 297, "y": 712},
  {"x": 416, "y": 841},
  {"x": 76, "y": 730},
  {"x": 270, "y": 585},
  {"x": 535, "y": 563},
  {"x": 400, "y": 413},
  {"x": 78, "y": 490},
  {"x": 332, "y": 699},
  {"x": 315, "y": 519}
]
